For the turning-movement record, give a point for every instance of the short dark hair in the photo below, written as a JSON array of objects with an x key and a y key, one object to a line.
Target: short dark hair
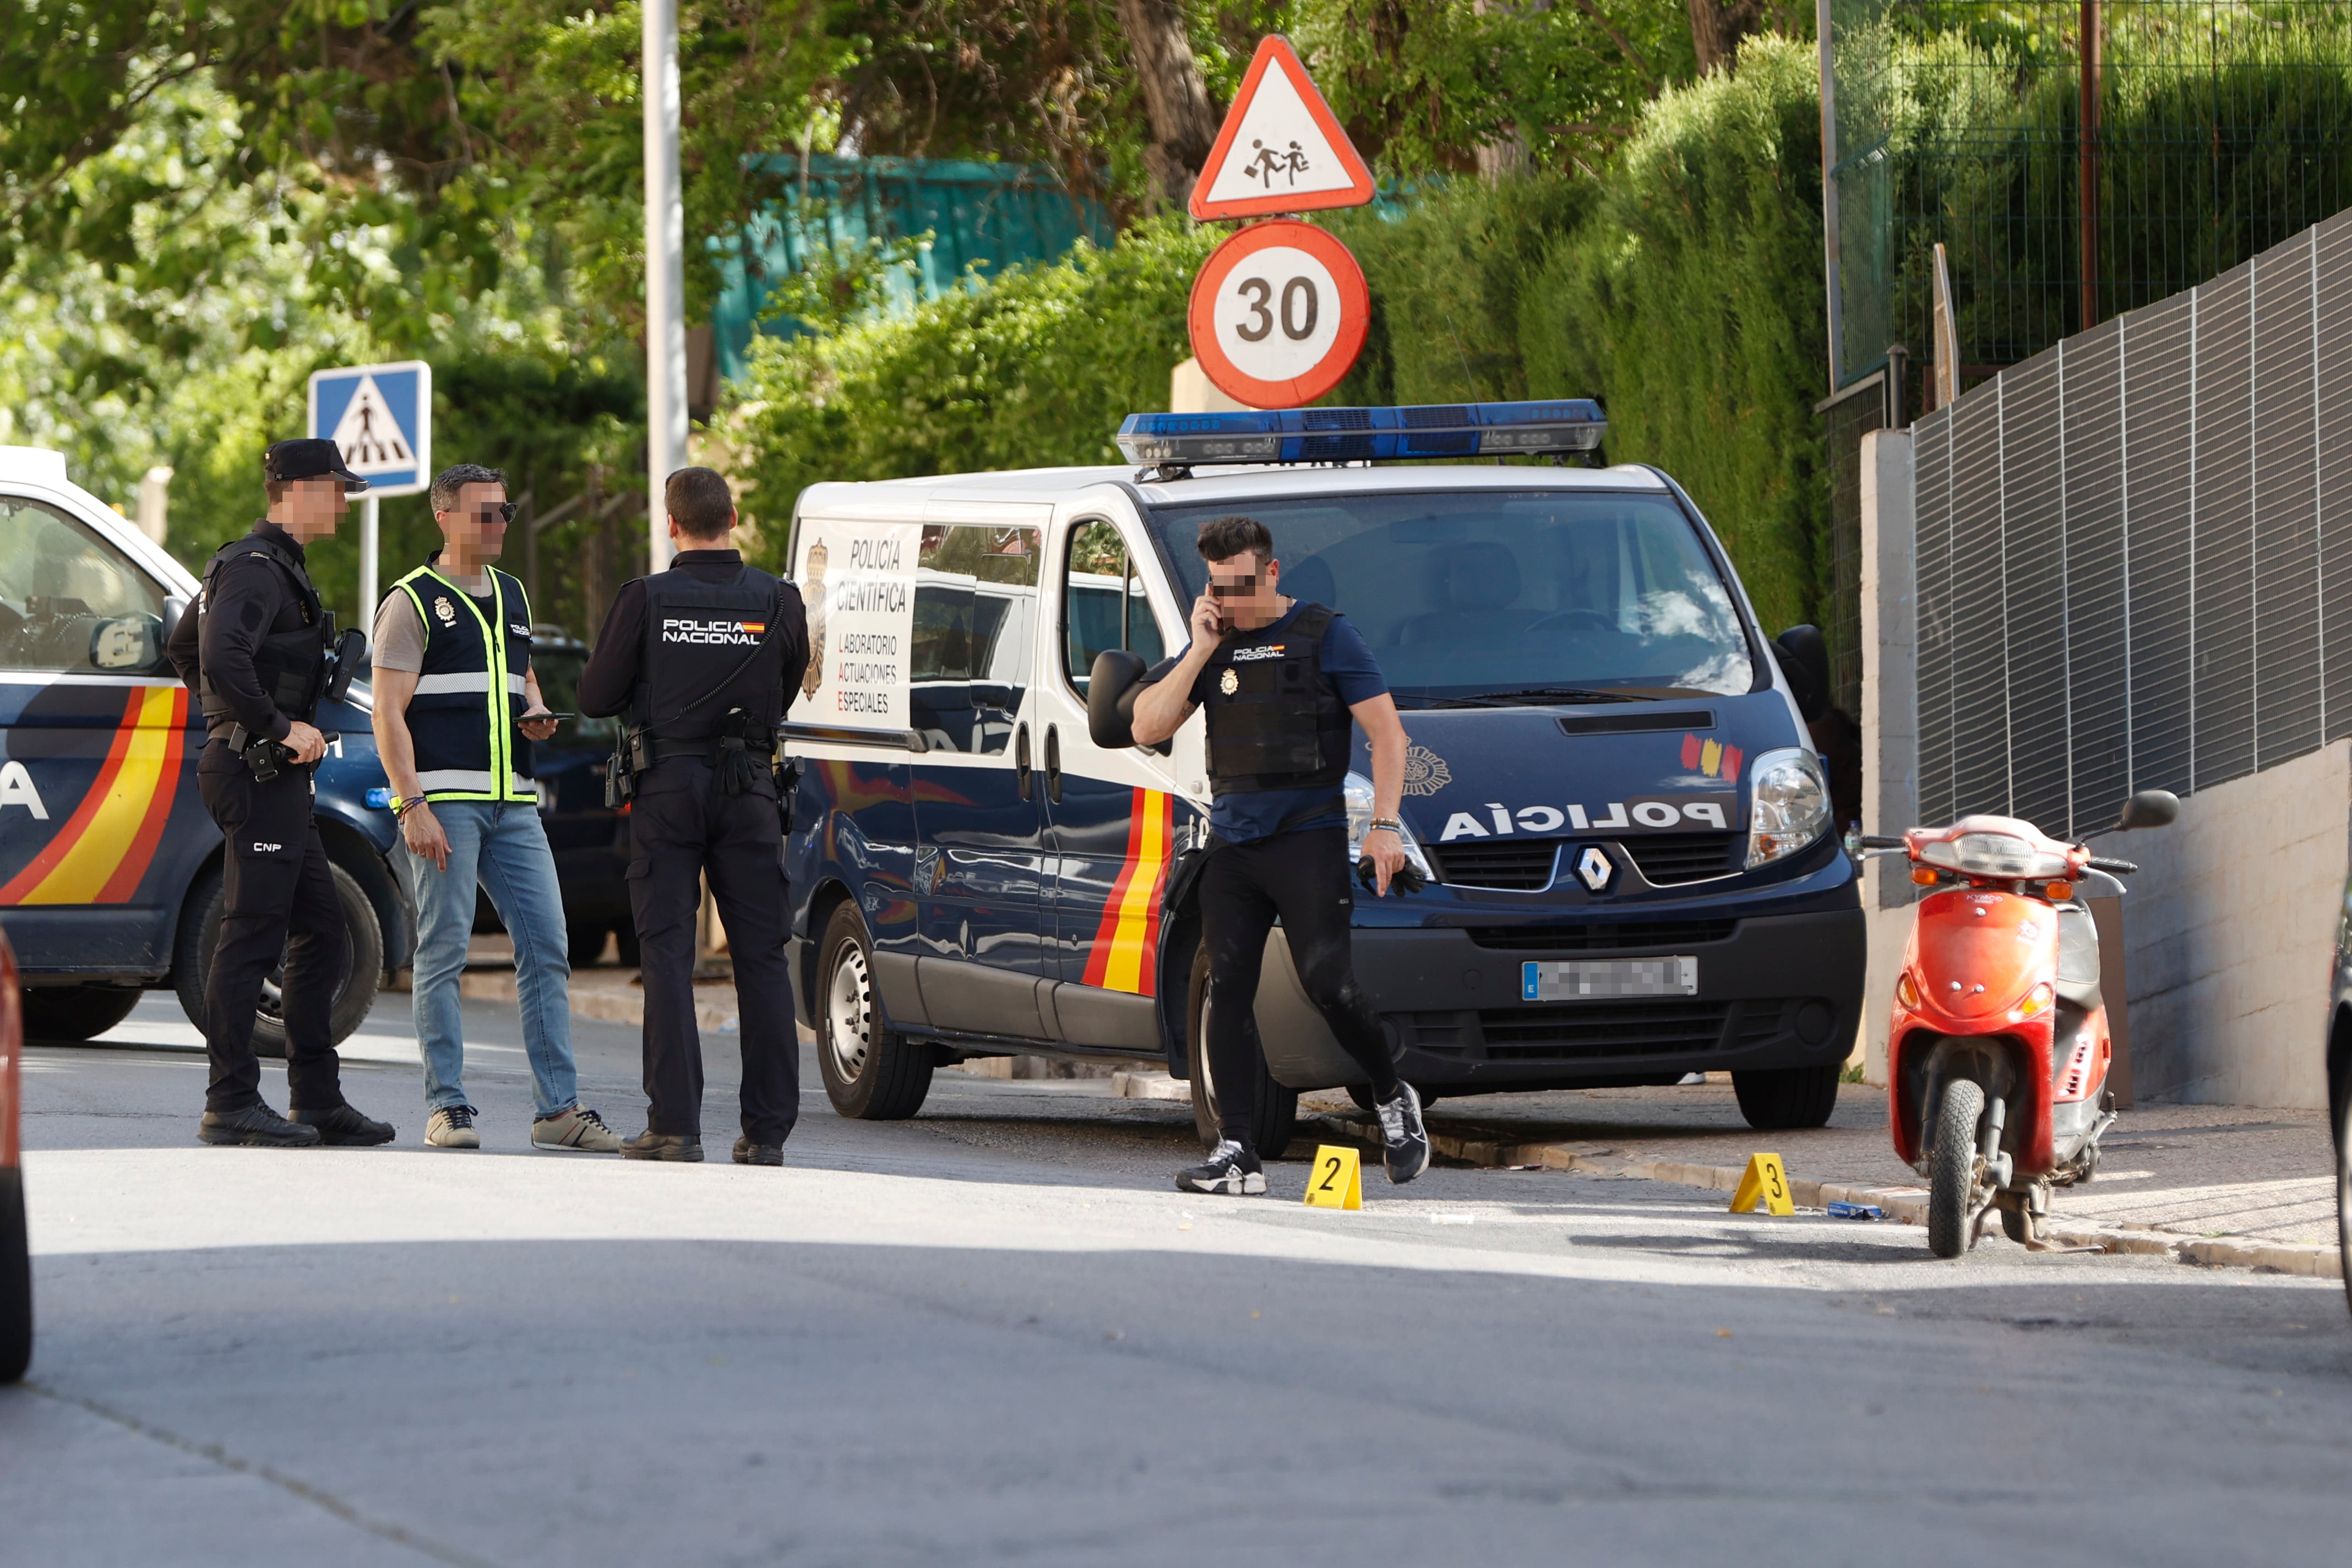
[
  {"x": 699, "y": 498},
  {"x": 449, "y": 482},
  {"x": 1222, "y": 538}
]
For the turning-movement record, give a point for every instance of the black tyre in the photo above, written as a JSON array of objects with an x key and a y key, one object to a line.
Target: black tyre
[
  {"x": 2344, "y": 1187},
  {"x": 1775, "y": 1099},
  {"x": 1952, "y": 1170},
  {"x": 584, "y": 945},
  {"x": 76, "y": 1012},
  {"x": 16, "y": 1278},
  {"x": 355, "y": 987},
  {"x": 870, "y": 1073},
  {"x": 1277, "y": 1107}
]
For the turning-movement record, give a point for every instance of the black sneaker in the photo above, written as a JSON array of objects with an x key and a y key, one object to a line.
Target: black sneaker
[
  {"x": 1232, "y": 1170},
  {"x": 651, "y": 1145},
  {"x": 256, "y": 1126},
  {"x": 1407, "y": 1152},
  {"x": 749, "y": 1153},
  {"x": 346, "y": 1128}
]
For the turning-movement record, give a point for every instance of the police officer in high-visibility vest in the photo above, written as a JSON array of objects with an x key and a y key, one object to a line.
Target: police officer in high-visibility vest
[
  {"x": 1283, "y": 682},
  {"x": 703, "y": 660},
  {"x": 256, "y": 648}
]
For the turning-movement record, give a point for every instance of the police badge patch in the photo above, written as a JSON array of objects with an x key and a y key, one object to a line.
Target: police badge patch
[
  {"x": 1230, "y": 682},
  {"x": 1425, "y": 772},
  {"x": 445, "y": 610}
]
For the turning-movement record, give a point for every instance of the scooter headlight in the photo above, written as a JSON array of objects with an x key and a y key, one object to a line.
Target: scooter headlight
[
  {"x": 1358, "y": 791},
  {"x": 2002, "y": 855},
  {"x": 1789, "y": 804}
]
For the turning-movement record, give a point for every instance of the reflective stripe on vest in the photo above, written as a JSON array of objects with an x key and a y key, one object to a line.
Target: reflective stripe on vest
[{"x": 461, "y": 718}]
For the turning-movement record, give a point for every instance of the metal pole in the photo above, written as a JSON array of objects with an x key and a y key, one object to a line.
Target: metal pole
[
  {"x": 665, "y": 275},
  {"x": 1835, "y": 300},
  {"x": 368, "y": 536},
  {"x": 2087, "y": 178}
]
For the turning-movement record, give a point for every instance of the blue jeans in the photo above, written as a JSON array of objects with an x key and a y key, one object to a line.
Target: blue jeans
[{"x": 501, "y": 846}]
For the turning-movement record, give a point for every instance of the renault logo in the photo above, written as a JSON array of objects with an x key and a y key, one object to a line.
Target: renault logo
[{"x": 1595, "y": 868}]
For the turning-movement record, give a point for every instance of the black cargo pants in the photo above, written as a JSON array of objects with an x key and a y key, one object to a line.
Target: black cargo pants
[
  {"x": 683, "y": 826},
  {"x": 275, "y": 881}
]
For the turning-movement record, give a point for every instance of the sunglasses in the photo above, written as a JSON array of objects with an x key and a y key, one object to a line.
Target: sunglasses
[
  {"x": 506, "y": 510},
  {"x": 1235, "y": 587}
]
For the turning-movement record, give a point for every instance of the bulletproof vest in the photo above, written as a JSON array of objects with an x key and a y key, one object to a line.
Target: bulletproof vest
[
  {"x": 461, "y": 718},
  {"x": 290, "y": 666},
  {"x": 713, "y": 660},
  {"x": 1275, "y": 722}
]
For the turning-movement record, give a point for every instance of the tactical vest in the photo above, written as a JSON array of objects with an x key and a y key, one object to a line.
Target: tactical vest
[
  {"x": 1275, "y": 723},
  {"x": 712, "y": 663},
  {"x": 462, "y": 719},
  {"x": 290, "y": 666}
]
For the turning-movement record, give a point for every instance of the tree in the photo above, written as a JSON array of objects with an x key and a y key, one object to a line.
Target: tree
[
  {"x": 1184, "y": 123},
  {"x": 1718, "y": 26}
]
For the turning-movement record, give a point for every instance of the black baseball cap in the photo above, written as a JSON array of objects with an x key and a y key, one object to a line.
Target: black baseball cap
[{"x": 311, "y": 458}]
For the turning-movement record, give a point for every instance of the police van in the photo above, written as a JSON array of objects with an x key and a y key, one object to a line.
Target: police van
[
  {"x": 1625, "y": 830},
  {"x": 109, "y": 866}
]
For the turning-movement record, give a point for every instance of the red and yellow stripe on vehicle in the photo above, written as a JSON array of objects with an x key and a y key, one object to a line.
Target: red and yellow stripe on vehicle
[
  {"x": 1125, "y": 955},
  {"x": 105, "y": 847}
]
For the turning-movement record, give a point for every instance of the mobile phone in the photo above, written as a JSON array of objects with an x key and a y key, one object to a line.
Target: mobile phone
[{"x": 535, "y": 717}]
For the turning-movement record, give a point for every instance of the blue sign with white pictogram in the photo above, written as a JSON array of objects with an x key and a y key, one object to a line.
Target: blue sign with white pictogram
[{"x": 380, "y": 416}]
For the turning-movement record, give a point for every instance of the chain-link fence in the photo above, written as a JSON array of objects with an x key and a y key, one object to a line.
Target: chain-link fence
[{"x": 2127, "y": 548}]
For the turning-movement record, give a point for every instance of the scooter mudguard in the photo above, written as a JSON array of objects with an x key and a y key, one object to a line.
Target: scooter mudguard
[{"x": 1981, "y": 966}]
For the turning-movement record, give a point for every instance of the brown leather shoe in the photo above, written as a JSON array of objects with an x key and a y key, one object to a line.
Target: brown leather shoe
[
  {"x": 749, "y": 1153},
  {"x": 651, "y": 1145}
]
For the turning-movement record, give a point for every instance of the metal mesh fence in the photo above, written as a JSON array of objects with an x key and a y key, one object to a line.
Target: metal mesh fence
[
  {"x": 2213, "y": 131},
  {"x": 2127, "y": 546}
]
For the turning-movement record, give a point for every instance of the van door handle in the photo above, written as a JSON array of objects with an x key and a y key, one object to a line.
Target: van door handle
[
  {"x": 1054, "y": 763},
  {"x": 1021, "y": 768}
]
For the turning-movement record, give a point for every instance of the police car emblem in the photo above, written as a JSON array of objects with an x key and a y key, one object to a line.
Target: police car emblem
[
  {"x": 1425, "y": 772},
  {"x": 445, "y": 610},
  {"x": 1230, "y": 682}
]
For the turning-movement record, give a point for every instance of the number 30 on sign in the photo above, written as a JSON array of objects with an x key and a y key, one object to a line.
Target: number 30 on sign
[{"x": 1278, "y": 314}]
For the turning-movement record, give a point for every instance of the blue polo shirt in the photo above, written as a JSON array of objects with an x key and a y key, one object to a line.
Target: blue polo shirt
[{"x": 1246, "y": 817}]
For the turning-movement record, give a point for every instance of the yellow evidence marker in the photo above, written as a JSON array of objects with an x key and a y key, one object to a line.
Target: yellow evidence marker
[
  {"x": 1337, "y": 1180},
  {"x": 1765, "y": 1179}
]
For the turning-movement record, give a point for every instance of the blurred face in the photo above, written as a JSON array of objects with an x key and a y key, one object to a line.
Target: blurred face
[
  {"x": 1246, "y": 589},
  {"x": 477, "y": 527},
  {"x": 308, "y": 510}
]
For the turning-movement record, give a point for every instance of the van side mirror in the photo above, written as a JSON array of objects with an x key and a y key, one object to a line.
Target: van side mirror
[
  {"x": 1803, "y": 656},
  {"x": 2148, "y": 808},
  {"x": 1111, "y": 686}
]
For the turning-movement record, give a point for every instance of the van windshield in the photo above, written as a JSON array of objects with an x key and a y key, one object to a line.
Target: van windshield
[{"x": 1473, "y": 598}]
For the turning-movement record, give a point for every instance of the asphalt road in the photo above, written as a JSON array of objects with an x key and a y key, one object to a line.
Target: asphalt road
[{"x": 996, "y": 1333}]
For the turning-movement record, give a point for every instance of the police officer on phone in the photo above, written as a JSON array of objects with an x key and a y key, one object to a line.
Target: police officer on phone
[
  {"x": 702, "y": 661},
  {"x": 257, "y": 647}
]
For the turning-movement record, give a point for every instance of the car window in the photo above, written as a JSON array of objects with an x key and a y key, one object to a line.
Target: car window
[
  {"x": 70, "y": 601},
  {"x": 1471, "y": 595},
  {"x": 1104, "y": 604},
  {"x": 975, "y": 625}
]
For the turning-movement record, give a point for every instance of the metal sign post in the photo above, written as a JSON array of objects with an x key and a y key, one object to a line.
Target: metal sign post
[
  {"x": 665, "y": 275},
  {"x": 381, "y": 417}
]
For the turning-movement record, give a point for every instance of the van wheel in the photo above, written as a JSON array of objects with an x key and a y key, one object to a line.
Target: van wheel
[
  {"x": 1277, "y": 1106},
  {"x": 1776, "y": 1099},
  {"x": 870, "y": 1073},
  {"x": 76, "y": 1012},
  {"x": 191, "y": 962}
]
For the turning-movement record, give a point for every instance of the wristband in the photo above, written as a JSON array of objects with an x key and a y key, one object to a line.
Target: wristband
[{"x": 1391, "y": 823}]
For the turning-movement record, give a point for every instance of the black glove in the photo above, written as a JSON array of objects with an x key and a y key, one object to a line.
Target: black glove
[{"x": 1406, "y": 881}]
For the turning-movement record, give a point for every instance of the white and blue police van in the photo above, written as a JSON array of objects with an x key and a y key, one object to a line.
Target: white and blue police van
[
  {"x": 1625, "y": 829},
  {"x": 109, "y": 865}
]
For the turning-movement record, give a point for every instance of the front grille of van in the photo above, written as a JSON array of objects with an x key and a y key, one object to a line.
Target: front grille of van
[
  {"x": 1509, "y": 865},
  {"x": 1666, "y": 859},
  {"x": 1600, "y": 1031},
  {"x": 1625, "y": 935}
]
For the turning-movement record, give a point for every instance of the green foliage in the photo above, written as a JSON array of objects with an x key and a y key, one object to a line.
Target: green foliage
[{"x": 1035, "y": 367}]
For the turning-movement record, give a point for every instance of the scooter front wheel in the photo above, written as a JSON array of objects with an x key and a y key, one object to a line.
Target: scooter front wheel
[{"x": 1952, "y": 1170}]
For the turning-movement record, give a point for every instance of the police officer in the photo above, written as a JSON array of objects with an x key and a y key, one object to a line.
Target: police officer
[
  {"x": 703, "y": 660},
  {"x": 1283, "y": 681},
  {"x": 255, "y": 650}
]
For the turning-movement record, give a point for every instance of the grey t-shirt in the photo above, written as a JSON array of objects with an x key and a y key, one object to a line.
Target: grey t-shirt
[{"x": 398, "y": 641}]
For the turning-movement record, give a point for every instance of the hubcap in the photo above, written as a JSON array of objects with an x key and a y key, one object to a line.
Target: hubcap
[{"x": 849, "y": 1013}]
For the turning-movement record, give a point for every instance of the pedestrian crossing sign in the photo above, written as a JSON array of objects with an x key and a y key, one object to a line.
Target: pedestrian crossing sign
[{"x": 380, "y": 416}]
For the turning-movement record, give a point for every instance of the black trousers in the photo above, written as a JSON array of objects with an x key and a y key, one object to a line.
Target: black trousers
[
  {"x": 682, "y": 827},
  {"x": 1306, "y": 878},
  {"x": 275, "y": 881}
]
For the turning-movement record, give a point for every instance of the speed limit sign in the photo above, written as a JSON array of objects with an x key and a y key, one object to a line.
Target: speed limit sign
[{"x": 1278, "y": 314}]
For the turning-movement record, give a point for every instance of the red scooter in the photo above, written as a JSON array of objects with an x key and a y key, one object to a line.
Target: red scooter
[{"x": 1998, "y": 1054}]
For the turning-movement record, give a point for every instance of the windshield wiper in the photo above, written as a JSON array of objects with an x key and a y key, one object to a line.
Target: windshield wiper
[{"x": 1533, "y": 697}]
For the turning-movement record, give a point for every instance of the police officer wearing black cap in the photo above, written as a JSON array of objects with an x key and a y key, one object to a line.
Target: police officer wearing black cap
[
  {"x": 256, "y": 649},
  {"x": 703, "y": 659}
]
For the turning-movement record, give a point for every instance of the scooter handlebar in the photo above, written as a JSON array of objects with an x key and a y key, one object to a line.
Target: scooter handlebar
[
  {"x": 2104, "y": 863},
  {"x": 1880, "y": 841}
]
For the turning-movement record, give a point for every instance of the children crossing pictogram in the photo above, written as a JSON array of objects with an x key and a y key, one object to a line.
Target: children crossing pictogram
[{"x": 1281, "y": 148}]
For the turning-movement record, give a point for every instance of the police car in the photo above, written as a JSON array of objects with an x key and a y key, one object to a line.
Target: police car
[
  {"x": 110, "y": 867},
  {"x": 1625, "y": 829}
]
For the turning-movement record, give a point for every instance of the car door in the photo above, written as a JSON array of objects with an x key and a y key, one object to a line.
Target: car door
[
  {"x": 100, "y": 743},
  {"x": 1114, "y": 815}
]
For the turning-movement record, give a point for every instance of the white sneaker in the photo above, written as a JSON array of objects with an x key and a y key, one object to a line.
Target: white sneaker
[
  {"x": 575, "y": 1129},
  {"x": 1406, "y": 1153},
  {"x": 452, "y": 1127},
  {"x": 1230, "y": 1169}
]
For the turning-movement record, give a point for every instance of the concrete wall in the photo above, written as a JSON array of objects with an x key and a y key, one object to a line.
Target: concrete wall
[{"x": 1890, "y": 721}]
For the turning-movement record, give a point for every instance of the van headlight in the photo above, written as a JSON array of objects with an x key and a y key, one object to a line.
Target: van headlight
[
  {"x": 1789, "y": 804},
  {"x": 1359, "y": 819}
]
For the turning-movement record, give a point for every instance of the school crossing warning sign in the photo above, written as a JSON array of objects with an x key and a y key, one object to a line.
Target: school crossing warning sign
[{"x": 1281, "y": 150}]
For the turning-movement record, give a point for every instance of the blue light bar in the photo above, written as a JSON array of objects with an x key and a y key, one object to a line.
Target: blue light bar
[{"x": 1359, "y": 435}]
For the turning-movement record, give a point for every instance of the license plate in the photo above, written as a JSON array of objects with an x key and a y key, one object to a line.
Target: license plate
[{"x": 1578, "y": 979}]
